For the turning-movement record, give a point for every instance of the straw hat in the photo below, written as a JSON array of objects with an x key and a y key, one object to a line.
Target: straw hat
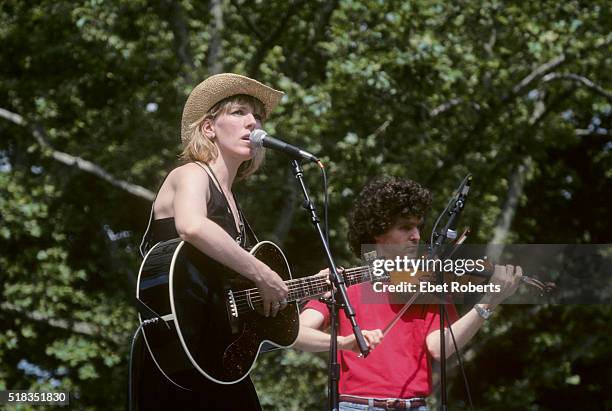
[{"x": 221, "y": 86}]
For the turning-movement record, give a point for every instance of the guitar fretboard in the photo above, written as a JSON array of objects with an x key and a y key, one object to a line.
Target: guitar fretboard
[
  {"x": 305, "y": 287},
  {"x": 300, "y": 288}
]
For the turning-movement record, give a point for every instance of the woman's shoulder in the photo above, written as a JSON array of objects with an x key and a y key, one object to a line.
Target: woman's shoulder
[
  {"x": 188, "y": 172},
  {"x": 185, "y": 180}
]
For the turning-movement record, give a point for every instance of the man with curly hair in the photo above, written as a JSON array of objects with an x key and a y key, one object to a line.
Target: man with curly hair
[{"x": 397, "y": 373}]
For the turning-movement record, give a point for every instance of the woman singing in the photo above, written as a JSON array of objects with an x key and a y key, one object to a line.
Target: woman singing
[{"x": 195, "y": 203}]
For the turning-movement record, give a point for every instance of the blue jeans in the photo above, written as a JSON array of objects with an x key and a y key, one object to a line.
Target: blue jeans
[{"x": 349, "y": 406}]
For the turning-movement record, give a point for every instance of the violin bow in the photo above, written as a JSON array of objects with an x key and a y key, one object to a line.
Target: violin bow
[
  {"x": 544, "y": 287},
  {"x": 401, "y": 312}
]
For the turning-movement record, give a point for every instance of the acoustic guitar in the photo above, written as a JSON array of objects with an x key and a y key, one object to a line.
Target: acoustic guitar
[{"x": 210, "y": 321}]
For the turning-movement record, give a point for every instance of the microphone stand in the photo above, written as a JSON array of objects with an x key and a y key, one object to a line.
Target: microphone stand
[
  {"x": 333, "y": 303},
  {"x": 448, "y": 232}
]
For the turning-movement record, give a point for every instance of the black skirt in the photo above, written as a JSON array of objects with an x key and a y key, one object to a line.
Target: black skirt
[{"x": 154, "y": 392}]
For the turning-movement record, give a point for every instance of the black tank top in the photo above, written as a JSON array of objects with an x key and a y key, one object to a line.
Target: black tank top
[
  {"x": 153, "y": 390},
  {"x": 218, "y": 210}
]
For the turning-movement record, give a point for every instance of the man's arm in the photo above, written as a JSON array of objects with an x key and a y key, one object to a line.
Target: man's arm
[
  {"x": 508, "y": 278},
  {"x": 463, "y": 329},
  {"x": 312, "y": 339}
]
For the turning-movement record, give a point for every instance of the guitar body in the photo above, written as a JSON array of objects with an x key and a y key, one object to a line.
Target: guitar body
[{"x": 209, "y": 329}]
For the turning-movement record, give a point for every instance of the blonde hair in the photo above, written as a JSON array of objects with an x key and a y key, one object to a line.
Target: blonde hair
[{"x": 198, "y": 147}]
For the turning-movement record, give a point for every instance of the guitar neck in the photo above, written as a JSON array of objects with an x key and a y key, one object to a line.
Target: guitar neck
[
  {"x": 299, "y": 288},
  {"x": 315, "y": 285},
  {"x": 312, "y": 286}
]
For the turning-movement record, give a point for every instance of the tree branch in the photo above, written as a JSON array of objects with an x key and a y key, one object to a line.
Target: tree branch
[
  {"x": 590, "y": 132},
  {"x": 488, "y": 46},
  {"x": 84, "y": 165},
  {"x": 76, "y": 327},
  {"x": 12, "y": 117},
  {"x": 485, "y": 116},
  {"x": 578, "y": 79},
  {"x": 380, "y": 129},
  {"x": 444, "y": 107},
  {"x": 539, "y": 110},
  {"x": 539, "y": 71}
]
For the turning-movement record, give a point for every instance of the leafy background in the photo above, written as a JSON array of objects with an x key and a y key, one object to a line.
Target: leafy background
[{"x": 91, "y": 94}]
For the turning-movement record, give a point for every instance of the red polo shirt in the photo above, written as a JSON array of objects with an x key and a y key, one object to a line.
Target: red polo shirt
[{"x": 399, "y": 367}]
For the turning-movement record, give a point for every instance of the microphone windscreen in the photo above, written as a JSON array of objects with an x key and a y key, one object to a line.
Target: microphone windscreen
[{"x": 257, "y": 136}]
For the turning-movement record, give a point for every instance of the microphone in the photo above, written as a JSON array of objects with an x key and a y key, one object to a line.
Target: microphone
[
  {"x": 260, "y": 138},
  {"x": 455, "y": 207},
  {"x": 460, "y": 199}
]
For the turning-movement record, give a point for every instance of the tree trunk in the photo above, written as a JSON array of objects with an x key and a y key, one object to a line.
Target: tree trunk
[
  {"x": 286, "y": 216},
  {"x": 215, "y": 49},
  {"x": 504, "y": 221}
]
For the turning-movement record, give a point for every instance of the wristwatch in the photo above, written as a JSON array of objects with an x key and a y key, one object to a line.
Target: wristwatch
[{"x": 483, "y": 312}]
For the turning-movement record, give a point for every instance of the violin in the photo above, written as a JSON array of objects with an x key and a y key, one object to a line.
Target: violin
[
  {"x": 475, "y": 277},
  {"x": 479, "y": 277}
]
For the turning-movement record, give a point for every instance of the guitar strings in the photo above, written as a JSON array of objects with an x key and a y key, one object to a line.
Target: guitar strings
[
  {"x": 320, "y": 285},
  {"x": 300, "y": 283},
  {"x": 314, "y": 285},
  {"x": 242, "y": 301}
]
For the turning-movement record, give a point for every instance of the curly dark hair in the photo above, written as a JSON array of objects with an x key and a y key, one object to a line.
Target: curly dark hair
[{"x": 380, "y": 204}]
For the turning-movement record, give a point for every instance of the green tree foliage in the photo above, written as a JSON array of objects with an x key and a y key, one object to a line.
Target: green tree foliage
[{"x": 91, "y": 94}]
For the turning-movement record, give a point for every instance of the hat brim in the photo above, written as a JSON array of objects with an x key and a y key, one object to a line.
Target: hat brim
[{"x": 221, "y": 86}]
